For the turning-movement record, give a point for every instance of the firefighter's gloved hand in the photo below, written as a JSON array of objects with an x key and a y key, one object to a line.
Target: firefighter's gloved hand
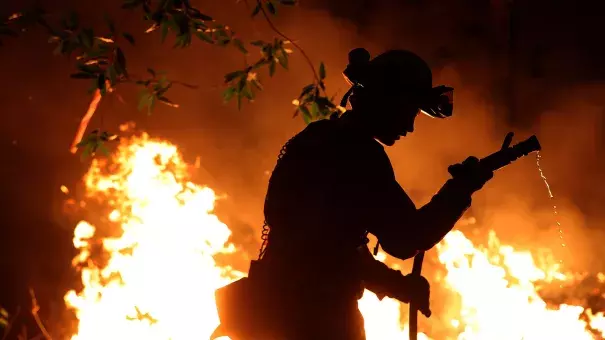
[
  {"x": 418, "y": 292},
  {"x": 470, "y": 174}
]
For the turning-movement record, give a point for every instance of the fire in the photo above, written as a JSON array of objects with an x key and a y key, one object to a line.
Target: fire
[
  {"x": 148, "y": 269},
  {"x": 159, "y": 275}
]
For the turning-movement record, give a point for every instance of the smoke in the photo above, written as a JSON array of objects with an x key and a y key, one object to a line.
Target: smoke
[{"x": 466, "y": 45}]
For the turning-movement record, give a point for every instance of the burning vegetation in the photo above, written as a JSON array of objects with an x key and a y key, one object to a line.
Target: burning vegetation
[{"x": 148, "y": 269}]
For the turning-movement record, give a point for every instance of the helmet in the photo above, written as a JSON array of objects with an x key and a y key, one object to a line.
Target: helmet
[{"x": 399, "y": 71}]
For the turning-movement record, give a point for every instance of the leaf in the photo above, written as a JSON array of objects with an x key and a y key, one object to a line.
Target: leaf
[
  {"x": 257, "y": 84},
  {"x": 272, "y": 68},
  {"x": 306, "y": 119},
  {"x": 7, "y": 31},
  {"x": 120, "y": 62},
  {"x": 128, "y": 37},
  {"x": 195, "y": 13},
  {"x": 3, "y": 313},
  {"x": 232, "y": 75},
  {"x": 151, "y": 104},
  {"x": 256, "y": 10},
  {"x": 130, "y": 4},
  {"x": 247, "y": 92},
  {"x": 283, "y": 60},
  {"x": 322, "y": 71},
  {"x": 304, "y": 110},
  {"x": 238, "y": 43},
  {"x": 72, "y": 21},
  {"x": 82, "y": 75},
  {"x": 112, "y": 74},
  {"x": 306, "y": 90},
  {"x": 144, "y": 98},
  {"x": 89, "y": 68},
  {"x": 228, "y": 94},
  {"x": 106, "y": 40},
  {"x": 167, "y": 102},
  {"x": 87, "y": 36},
  {"x": 110, "y": 24},
  {"x": 152, "y": 72},
  {"x": 203, "y": 36},
  {"x": 103, "y": 149},
  {"x": 315, "y": 110},
  {"x": 101, "y": 84},
  {"x": 271, "y": 7},
  {"x": 258, "y": 43},
  {"x": 164, "y": 31}
]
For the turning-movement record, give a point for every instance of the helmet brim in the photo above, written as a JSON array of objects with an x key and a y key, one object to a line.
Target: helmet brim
[{"x": 439, "y": 103}]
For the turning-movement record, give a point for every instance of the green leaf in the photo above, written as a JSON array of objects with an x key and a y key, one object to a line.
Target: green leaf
[
  {"x": 101, "y": 85},
  {"x": 304, "y": 110},
  {"x": 314, "y": 110},
  {"x": 110, "y": 24},
  {"x": 307, "y": 89},
  {"x": 112, "y": 74},
  {"x": 283, "y": 60},
  {"x": 228, "y": 94},
  {"x": 7, "y": 31},
  {"x": 144, "y": 99},
  {"x": 232, "y": 75},
  {"x": 257, "y": 84},
  {"x": 164, "y": 31},
  {"x": 203, "y": 36},
  {"x": 196, "y": 14},
  {"x": 151, "y": 104},
  {"x": 272, "y": 68},
  {"x": 72, "y": 21},
  {"x": 120, "y": 62},
  {"x": 82, "y": 75},
  {"x": 247, "y": 92},
  {"x": 238, "y": 43},
  {"x": 167, "y": 101},
  {"x": 322, "y": 71},
  {"x": 128, "y": 37},
  {"x": 130, "y": 4},
  {"x": 256, "y": 10},
  {"x": 271, "y": 7}
]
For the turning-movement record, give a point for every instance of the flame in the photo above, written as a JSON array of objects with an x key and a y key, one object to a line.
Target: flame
[
  {"x": 159, "y": 276},
  {"x": 148, "y": 269}
]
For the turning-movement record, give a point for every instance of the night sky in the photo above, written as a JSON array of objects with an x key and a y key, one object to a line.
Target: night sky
[{"x": 540, "y": 73}]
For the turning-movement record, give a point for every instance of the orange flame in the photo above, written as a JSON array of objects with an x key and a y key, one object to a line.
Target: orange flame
[{"x": 157, "y": 275}]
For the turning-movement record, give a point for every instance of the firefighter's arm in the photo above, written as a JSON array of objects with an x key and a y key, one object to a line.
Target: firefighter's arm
[
  {"x": 384, "y": 281},
  {"x": 403, "y": 230}
]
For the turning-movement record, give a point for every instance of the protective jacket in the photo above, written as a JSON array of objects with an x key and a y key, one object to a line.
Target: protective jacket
[{"x": 332, "y": 185}]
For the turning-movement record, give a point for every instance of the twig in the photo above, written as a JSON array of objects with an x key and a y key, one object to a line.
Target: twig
[
  {"x": 92, "y": 107},
  {"x": 35, "y": 309},
  {"x": 10, "y": 324},
  {"x": 278, "y": 32}
]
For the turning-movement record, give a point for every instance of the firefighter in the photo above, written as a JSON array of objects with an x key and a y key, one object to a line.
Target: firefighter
[{"x": 332, "y": 185}]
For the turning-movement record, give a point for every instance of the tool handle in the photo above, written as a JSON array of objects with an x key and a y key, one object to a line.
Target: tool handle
[
  {"x": 413, "y": 322},
  {"x": 497, "y": 160}
]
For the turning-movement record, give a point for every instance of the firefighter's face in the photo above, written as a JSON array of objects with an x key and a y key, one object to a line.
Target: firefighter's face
[{"x": 394, "y": 118}]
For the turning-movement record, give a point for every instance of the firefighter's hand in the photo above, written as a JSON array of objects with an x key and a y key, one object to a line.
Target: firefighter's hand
[
  {"x": 419, "y": 293},
  {"x": 471, "y": 174}
]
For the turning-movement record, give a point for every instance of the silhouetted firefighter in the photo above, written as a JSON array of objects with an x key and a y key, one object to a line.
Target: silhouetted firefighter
[{"x": 332, "y": 185}]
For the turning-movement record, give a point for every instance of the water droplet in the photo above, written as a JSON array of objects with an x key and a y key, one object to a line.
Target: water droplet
[{"x": 552, "y": 197}]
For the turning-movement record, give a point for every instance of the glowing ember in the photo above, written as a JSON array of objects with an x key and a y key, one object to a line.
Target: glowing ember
[{"x": 148, "y": 271}]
